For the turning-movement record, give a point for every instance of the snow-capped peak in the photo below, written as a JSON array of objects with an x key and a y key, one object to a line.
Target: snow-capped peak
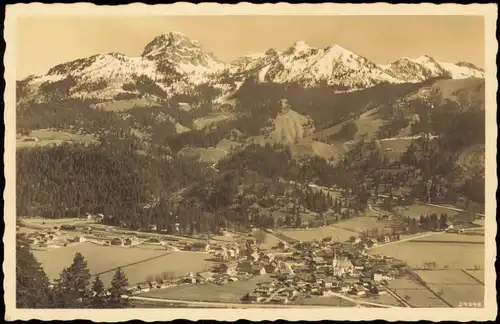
[
  {"x": 170, "y": 41},
  {"x": 301, "y": 46},
  {"x": 310, "y": 66},
  {"x": 424, "y": 67}
]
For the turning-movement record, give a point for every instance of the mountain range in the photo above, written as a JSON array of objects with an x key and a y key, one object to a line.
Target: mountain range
[{"x": 172, "y": 63}]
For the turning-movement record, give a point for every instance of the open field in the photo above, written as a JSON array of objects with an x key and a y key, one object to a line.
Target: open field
[
  {"x": 99, "y": 258},
  {"x": 319, "y": 233},
  {"x": 394, "y": 148},
  {"x": 307, "y": 147},
  {"x": 387, "y": 299},
  {"x": 214, "y": 118},
  {"x": 47, "y": 137},
  {"x": 138, "y": 263},
  {"x": 454, "y": 286},
  {"x": 478, "y": 274},
  {"x": 416, "y": 210},
  {"x": 367, "y": 124},
  {"x": 341, "y": 231},
  {"x": 452, "y": 238},
  {"x": 123, "y": 105},
  {"x": 446, "y": 277},
  {"x": 269, "y": 242},
  {"x": 415, "y": 294},
  {"x": 361, "y": 223},
  {"x": 175, "y": 264},
  {"x": 325, "y": 301},
  {"x": 45, "y": 223},
  {"x": 456, "y": 294},
  {"x": 456, "y": 255},
  {"x": 228, "y": 293}
]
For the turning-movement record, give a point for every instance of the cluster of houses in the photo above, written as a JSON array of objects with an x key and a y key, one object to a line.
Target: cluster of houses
[
  {"x": 52, "y": 237},
  {"x": 368, "y": 242},
  {"x": 302, "y": 270},
  {"x": 125, "y": 241},
  {"x": 320, "y": 269},
  {"x": 225, "y": 253}
]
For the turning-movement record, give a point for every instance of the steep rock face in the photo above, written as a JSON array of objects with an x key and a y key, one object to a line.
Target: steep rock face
[
  {"x": 170, "y": 63},
  {"x": 185, "y": 54}
]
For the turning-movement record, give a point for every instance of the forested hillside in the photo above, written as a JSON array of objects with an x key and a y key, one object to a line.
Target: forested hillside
[{"x": 154, "y": 122}]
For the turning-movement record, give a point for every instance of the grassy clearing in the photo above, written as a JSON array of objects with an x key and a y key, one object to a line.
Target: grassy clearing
[
  {"x": 446, "y": 277},
  {"x": 269, "y": 242},
  {"x": 451, "y": 237},
  {"x": 99, "y": 258},
  {"x": 414, "y": 211},
  {"x": 458, "y": 293},
  {"x": 325, "y": 301},
  {"x": 307, "y": 147},
  {"x": 454, "y": 255},
  {"x": 367, "y": 124},
  {"x": 138, "y": 263},
  {"x": 478, "y": 274},
  {"x": 394, "y": 148},
  {"x": 387, "y": 299},
  {"x": 47, "y": 137},
  {"x": 415, "y": 294},
  {"x": 361, "y": 223},
  {"x": 205, "y": 121},
  {"x": 44, "y": 223},
  {"x": 319, "y": 233},
  {"x": 176, "y": 264},
  {"x": 124, "y": 105},
  {"x": 229, "y": 293}
]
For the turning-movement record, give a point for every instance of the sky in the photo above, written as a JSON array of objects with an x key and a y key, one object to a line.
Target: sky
[{"x": 44, "y": 42}]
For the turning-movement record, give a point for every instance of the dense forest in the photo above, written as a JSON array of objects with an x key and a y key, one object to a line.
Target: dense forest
[{"x": 117, "y": 181}]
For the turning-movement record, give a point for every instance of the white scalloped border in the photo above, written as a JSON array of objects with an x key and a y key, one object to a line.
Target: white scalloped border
[{"x": 488, "y": 11}]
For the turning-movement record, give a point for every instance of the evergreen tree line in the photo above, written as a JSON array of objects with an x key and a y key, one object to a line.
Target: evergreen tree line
[
  {"x": 73, "y": 289},
  {"x": 71, "y": 179},
  {"x": 431, "y": 222}
]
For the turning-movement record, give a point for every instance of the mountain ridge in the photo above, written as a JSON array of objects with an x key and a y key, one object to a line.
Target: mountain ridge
[{"x": 173, "y": 62}]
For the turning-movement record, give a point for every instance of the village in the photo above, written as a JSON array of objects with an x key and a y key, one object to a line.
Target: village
[
  {"x": 299, "y": 271},
  {"x": 289, "y": 272}
]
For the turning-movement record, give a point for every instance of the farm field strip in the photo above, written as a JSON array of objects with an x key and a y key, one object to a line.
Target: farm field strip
[
  {"x": 452, "y": 238},
  {"x": 420, "y": 298},
  {"x": 318, "y": 233},
  {"x": 132, "y": 264},
  {"x": 446, "y": 277},
  {"x": 228, "y": 293},
  {"x": 331, "y": 301},
  {"x": 138, "y": 264},
  {"x": 478, "y": 275},
  {"x": 443, "y": 254},
  {"x": 456, "y": 294}
]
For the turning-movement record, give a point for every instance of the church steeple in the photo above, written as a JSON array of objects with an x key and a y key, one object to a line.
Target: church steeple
[{"x": 334, "y": 262}]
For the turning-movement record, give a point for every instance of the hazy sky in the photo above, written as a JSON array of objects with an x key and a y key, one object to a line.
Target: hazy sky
[{"x": 45, "y": 42}]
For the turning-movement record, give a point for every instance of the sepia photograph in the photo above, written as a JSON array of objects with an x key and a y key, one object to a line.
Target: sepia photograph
[{"x": 253, "y": 161}]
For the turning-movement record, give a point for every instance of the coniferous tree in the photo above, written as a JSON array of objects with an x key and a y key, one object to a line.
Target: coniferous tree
[
  {"x": 98, "y": 299},
  {"x": 32, "y": 284},
  {"x": 72, "y": 288},
  {"x": 118, "y": 288}
]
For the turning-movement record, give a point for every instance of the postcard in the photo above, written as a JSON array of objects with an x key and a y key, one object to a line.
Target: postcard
[{"x": 257, "y": 162}]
